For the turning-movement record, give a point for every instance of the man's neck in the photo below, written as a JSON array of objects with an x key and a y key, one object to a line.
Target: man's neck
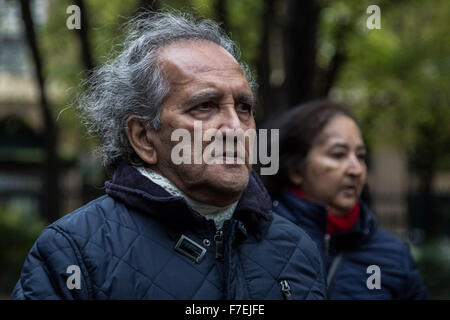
[
  {"x": 207, "y": 194},
  {"x": 216, "y": 213}
]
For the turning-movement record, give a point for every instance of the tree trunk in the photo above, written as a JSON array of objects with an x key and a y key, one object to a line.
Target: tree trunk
[
  {"x": 338, "y": 59},
  {"x": 431, "y": 218},
  {"x": 265, "y": 91},
  {"x": 222, "y": 14},
  {"x": 83, "y": 34},
  {"x": 151, "y": 5},
  {"x": 51, "y": 166},
  {"x": 423, "y": 161},
  {"x": 300, "y": 50}
]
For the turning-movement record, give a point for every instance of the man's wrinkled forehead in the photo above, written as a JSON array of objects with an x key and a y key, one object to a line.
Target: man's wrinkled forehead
[{"x": 182, "y": 60}]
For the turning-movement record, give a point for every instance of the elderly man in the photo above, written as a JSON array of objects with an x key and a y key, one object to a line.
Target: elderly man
[{"x": 166, "y": 230}]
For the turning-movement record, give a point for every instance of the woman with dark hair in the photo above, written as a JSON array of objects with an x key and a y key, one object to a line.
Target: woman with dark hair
[{"x": 318, "y": 186}]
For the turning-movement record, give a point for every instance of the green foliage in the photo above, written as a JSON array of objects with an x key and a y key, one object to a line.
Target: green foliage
[
  {"x": 18, "y": 231},
  {"x": 245, "y": 24},
  {"x": 398, "y": 77},
  {"x": 106, "y": 20},
  {"x": 64, "y": 70}
]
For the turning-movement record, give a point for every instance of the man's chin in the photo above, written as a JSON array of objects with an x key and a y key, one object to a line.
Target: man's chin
[
  {"x": 231, "y": 187},
  {"x": 229, "y": 179}
]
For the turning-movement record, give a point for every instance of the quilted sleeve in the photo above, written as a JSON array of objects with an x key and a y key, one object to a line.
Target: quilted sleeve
[
  {"x": 318, "y": 290},
  {"x": 52, "y": 270}
]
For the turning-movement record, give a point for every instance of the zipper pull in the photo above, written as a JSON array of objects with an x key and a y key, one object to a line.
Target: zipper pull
[
  {"x": 218, "y": 238},
  {"x": 326, "y": 244},
  {"x": 286, "y": 290}
]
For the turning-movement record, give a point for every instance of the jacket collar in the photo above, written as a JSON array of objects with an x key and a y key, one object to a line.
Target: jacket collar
[
  {"x": 140, "y": 193},
  {"x": 313, "y": 216}
]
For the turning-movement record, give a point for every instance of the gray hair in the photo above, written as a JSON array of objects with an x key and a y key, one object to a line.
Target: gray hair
[{"x": 133, "y": 84}]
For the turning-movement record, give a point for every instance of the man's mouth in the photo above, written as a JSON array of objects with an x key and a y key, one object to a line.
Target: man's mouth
[{"x": 233, "y": 157}]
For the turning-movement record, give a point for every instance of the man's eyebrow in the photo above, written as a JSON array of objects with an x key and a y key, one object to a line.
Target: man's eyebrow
[
  {"x": 213, "y": 94},
  {"x": 246, "y": 98},
  {"x": 202, "y": 96}
]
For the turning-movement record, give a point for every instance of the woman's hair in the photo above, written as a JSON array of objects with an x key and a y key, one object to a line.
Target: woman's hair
[{"x": 299, "y": 128}]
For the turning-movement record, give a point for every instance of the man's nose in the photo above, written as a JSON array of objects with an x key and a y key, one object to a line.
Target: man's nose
[{"x": 229, "y": 118}]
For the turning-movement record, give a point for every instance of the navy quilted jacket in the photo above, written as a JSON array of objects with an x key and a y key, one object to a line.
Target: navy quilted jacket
[
  {"x": 347, "y": 256},
  {"x": 124, "y": 245}
]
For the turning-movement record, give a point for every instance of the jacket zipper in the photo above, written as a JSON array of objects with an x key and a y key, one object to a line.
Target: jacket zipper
[
  {"x": 335, "y": 263},
  {"x": 286, "y": 290},
  {"x": 326, "y": 245},
  {"x": 218, "y": 238}
]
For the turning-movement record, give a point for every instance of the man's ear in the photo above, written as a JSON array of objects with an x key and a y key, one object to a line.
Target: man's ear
[{"x": 141, "y": 140}]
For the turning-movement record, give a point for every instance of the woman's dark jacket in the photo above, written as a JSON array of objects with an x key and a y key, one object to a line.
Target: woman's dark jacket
[
  {"x": 139, "y": 242},
  {"x": 351, "y": 258}
]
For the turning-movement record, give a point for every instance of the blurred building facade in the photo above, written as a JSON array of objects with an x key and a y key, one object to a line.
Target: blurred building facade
[
  {"x": 396, "y": 198},
  {"x": 21, "y": 145}
]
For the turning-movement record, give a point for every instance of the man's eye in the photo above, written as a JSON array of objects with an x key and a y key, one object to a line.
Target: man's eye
[
  {"x": 362, "y": 157},
  {"x": 205, "y": 106},
  {"x": 244, "y": 107}
]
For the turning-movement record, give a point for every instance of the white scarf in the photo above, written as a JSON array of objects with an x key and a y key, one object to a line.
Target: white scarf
[{"x": 218, "y": 214}]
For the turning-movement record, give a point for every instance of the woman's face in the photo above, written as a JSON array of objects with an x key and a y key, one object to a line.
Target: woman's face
[{"x": 335, "y": 170}]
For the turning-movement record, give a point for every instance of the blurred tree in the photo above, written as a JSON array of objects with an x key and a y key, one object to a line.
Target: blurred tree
[
  {"x": 263, "y": 65},
  {"x": 300, "y": 39},
  {"x": 83, "y": 34},
  {"x": 222, "y": 13},
  {"x": 18, "y": 232},
  {"x": 398, "y": 79},
  {"x": 70, "y": 56},
  {"x": 152, "y": 5},
  {"x": 288, "y": 68},
  {"x": 50, "y": 135}
]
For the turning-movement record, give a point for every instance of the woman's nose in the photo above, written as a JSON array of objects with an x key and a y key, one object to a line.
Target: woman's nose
[{"x": 355, "y": 167}]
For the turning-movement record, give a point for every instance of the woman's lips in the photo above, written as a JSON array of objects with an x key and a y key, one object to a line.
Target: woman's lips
[{"x": 349, "y": 190}]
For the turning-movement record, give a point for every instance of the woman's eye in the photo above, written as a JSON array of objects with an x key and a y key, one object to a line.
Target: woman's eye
[
  {"x": 362, "y": 157},
  {"x": 338, "y": 155}
]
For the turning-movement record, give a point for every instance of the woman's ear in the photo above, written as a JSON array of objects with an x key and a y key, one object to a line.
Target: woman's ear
[
  {"x": 294, "y": 176},
  {"x": 141, "y": 139}
]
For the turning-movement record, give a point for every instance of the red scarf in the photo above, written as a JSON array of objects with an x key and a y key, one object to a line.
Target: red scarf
[{"x": 335, "y": 224}]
